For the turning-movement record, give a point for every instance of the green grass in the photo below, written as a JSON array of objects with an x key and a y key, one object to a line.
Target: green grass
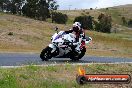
[{"x": 62, "y": 76}]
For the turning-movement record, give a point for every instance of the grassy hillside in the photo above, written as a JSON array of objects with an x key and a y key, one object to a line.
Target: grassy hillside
[
  {"x": 21, "y": 34},
  {"x": 109, "y": 42},
  {"x": 74, "y": 13},
  {"x": 118, "y": 12}
]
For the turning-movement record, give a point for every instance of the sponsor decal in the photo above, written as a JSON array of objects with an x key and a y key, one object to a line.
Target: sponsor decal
[{"x": 83, "y": 78}]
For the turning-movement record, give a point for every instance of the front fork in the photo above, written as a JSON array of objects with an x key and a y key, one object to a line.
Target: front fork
[
  {"x": 55, "y": 50},
  {"x": 53, "y": 47}
]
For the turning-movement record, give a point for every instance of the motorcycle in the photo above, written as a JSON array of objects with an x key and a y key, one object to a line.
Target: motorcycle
[{"x": 63, "y": 46}]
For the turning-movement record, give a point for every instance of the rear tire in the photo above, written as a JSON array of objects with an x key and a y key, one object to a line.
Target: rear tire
[
  {"x": 75, "y": 57},
  {"x": 46, "y": 54},
  {"x": 82, "y": 52}
]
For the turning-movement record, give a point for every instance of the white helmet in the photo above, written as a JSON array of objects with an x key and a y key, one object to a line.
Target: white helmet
[{"x": 77, "y": 24}]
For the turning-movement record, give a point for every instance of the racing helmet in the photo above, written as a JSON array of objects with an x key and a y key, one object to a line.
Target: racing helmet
[{"x": 76, "y": 26}]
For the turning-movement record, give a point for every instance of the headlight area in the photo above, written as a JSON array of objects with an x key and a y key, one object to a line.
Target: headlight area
[
  {"x": 55, "y": 43},
  {"x": 58, "y": 43},
  {"x": 51, "y": 39}
]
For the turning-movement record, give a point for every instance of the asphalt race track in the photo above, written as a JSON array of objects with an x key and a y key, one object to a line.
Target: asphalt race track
[{"x": 18, "y": 59}]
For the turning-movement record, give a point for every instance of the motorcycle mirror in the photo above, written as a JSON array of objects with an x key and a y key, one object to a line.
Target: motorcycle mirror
[
  {"x": 88, "y": 39},
  {"x": 56, "y": 29}
]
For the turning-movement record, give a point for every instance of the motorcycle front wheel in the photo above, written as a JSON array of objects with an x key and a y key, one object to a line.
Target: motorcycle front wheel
[{"x": 46, "y": 54}]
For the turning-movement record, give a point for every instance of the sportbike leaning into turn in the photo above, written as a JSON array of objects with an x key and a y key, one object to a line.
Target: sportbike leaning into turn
[{"x": 67, "y": 44}]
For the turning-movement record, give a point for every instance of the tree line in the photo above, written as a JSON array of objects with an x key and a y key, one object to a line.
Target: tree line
[
  {"x": 43, "y": 9},
  {"x": 103, "y": 24},
  {"x": 126, "y": 23},
  {"x": 37, "y": 9}
]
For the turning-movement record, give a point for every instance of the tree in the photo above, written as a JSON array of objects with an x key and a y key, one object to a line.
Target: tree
[
  {"x": 124, "y": 20},
  {"x": 42, "y": 10},
  {"x": 107, "y": 8},
  {"x": 97, "y": 26},
  {"x": 3, "y": 3},
  {"x": 91, "y": 8},
  {"x": 19, "y": 4},
  {"x": 104, "y": 24},
  {"x": 30, "y": 8},
  {"x": 60, "y": 18},
  {"x": 52, "y": 6},
  {"x": 86, "y": 21},
  {"x": 130, "y": 23},
  {"x": 38, "y": 9},
  {"x": 12, "y": 6}
]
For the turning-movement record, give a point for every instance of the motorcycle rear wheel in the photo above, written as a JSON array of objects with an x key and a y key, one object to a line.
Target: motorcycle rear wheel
[{"x": 75, "y": 57}]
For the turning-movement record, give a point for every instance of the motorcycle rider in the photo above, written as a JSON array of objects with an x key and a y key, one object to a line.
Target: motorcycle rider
[{"x": 80, "y": 36}]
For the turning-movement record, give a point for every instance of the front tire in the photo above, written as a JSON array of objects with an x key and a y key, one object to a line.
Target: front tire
[{"x": 46, "y": 54}]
